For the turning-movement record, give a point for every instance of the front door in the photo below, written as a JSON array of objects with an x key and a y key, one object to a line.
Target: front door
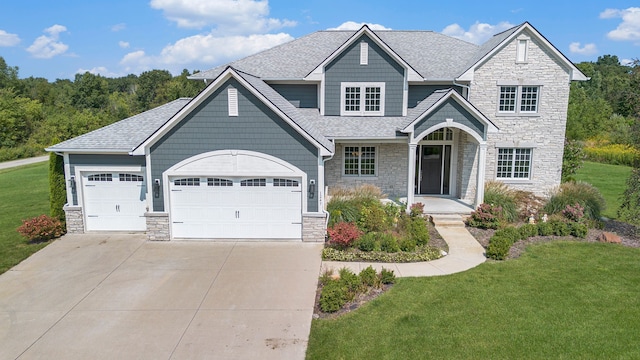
[{"x": 434, "y": 165}]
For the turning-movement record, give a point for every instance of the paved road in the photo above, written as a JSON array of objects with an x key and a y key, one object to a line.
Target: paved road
[
  {"x": 116, "y": 296},
  {"x": 15, "y": 163}
]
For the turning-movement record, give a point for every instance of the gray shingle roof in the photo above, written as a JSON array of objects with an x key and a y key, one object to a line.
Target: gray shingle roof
[{"x": 124, "y": 135}]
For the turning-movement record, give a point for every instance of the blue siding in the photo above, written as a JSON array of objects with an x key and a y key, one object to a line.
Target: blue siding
[
  {"x": 381, "y": 68},
  {"x": 418, "y": 93},
  {"x": 257, "y": 128},
  {"x": 301, "y": 96},
  {"x": 103, "y": 160},
  {"x": 450, "y": 110}
]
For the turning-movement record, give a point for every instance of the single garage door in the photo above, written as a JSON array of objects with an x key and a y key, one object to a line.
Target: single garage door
[
  {"x": 114, "y": 201},
  {"x": 236, "y": 208}
]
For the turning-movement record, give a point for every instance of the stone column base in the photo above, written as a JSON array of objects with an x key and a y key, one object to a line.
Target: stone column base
[
  {"x": 75, "y": 219},
  {"x": 314, "y": 227},
  {"x": 157, "y": 226}
]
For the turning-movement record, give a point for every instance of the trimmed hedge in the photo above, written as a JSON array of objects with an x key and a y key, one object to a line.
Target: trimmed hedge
[{"x": 57, "y": 187}]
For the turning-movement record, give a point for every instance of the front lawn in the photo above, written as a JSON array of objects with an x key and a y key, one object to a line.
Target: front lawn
[
  {"x": 611, "y": 180},
  {"x": 24, "y": 194},
  {"x": 560, "y": 300}
]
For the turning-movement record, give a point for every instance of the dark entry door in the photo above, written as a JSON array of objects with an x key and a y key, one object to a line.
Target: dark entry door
[{"x": 431, "y": 169}]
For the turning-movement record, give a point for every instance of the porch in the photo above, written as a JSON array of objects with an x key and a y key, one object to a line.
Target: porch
[{"x": 443, "y": 205}]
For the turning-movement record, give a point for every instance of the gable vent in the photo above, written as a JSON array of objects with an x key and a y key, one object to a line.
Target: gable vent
[
  {"x": 232, "y": 96},
  {"x": 364, "y": 53}
]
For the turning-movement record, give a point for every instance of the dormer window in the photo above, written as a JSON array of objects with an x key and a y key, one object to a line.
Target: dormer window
[{"x": 362, "y": 99}]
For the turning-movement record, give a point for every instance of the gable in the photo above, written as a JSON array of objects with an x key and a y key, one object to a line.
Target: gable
[{"x": 453, "y": 114}]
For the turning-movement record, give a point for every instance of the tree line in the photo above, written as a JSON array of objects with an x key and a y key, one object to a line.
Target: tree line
[{"x": 36, "y": 113}]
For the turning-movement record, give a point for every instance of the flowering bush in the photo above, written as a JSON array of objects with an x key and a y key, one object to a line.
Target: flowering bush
[
  {"x": 41, "y": 228},
  {"x": 574, "y": 212},
  {"x": 343, "y": 234},
  {"x": 486, "y": 217},
  {"x": 416, "y": 209}
]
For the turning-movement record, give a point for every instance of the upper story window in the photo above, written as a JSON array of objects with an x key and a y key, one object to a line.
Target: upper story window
[
  {"x": 514, "y": 163},
  {"x": 362, "y": 99},
  {"x": 519, "y": 99}
]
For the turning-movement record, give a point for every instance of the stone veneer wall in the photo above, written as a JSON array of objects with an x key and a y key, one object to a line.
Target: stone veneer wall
[
  {"x": 467, "y": 167},
  {"x": 392, "y": 170},
  {"x": 543, "y": 132},
  {"x": 74, "y": 219},
  {"x": 157, "y": 226},
  {"x": 313, "y": 227}
]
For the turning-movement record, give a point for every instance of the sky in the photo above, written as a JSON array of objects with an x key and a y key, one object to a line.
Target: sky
[{"x": 113, "y": 38}]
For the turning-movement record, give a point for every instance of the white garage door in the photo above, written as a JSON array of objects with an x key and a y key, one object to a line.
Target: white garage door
[
  {"x": 236, "y": 208},
  {"x": 114, "y": 201}
]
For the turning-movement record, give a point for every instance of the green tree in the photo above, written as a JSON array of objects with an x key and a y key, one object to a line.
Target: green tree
[
  {"x": 91, "y": 92},
  {"x": 148, "y": 84},
  {"x": 18, "y": 117}
]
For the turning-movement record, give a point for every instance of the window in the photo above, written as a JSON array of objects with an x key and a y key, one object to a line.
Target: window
[
  {"x": 360, "y": 160},
  {"x": 254, "y": 182},
  {"x": 129, "y": 177},
  {"x": 528, "y": 95},
  {"x": 441, "y": 134},
  {"x": 362, "y": 99},
  {"x": 285, "y": 183},
  {"x": 100, "y": 177},
  {"x": 187, "y": 182},
  {"x": 514, "y": 163},
  {"x": 219, "y": 182}
]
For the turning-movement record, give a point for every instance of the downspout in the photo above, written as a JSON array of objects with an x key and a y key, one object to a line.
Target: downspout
[
  {"x": 324, "y": 203},
  {"x": 464, "y": 86}
]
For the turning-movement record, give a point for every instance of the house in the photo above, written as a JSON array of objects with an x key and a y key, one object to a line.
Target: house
[{"x": 254, "y": 154}]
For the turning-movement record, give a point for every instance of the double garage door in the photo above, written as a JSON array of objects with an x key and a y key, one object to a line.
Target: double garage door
[
  {"x": 236, "y": 208},
  {"x": 114, "y": 201}
]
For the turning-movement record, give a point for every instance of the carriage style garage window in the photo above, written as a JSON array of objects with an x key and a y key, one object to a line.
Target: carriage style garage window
[
  {"x": 285, "y": 183},
  {"x": 100, "y": 177},
  {"x": 254, "y": 182},
  {"x": 219, "y": 182},
  {"x": 359, "y": 161},
  {"x": 528, "y": 99},
  {"x": 362, "y": 99},
  {"x": 514, "y": 163},
  {"x": 130, "y": 177},
  {"x": 187, "y": 182}
]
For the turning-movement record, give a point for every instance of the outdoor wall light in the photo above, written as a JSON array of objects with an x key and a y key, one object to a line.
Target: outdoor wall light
[
  {"x": 156, "y": 188},
  {"x": 312, "y": 188},
  {"x": 72, "y": 184}
]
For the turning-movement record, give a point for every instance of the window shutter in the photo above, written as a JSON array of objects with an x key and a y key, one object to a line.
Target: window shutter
[
  {"x": 364, "y": 53},
  {"x": 232, "y": 95}
]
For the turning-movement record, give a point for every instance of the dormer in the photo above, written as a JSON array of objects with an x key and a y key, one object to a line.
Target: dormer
[{"x": 364, "y": 77}]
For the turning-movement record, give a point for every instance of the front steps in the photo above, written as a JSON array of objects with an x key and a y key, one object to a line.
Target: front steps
[{"x": 447, "y": 220}]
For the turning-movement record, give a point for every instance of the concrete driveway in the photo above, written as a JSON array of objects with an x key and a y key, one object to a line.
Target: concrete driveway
[{"x": 121, "y": 297}]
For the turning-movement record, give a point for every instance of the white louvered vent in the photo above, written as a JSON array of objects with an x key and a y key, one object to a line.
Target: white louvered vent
[
  {"x": 522, "y": 51},
  {"x": 364, "y": 53},
  {"x": 232, "y": 95}
]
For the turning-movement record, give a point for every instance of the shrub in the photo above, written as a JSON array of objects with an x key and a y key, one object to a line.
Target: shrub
[
  {"x": 387, "y": 276},
  {"x": 528, "y": 230},
  {"x": 343, "y": 234},
  {"x": 615, "y": 154},
  {"x": 510, "y": 232},
  {"x": 573, "y": 212},
  {"x": 499, "y": 195},
  {"x": 579, "y": 230},
  {"x": 368, "y": 242},
  {"x": 545, "y": 229},
  {"x": 572, "y": 159},
  {"x": 560, "y": 228},
  {"x": 333, "y": 296},
  {"x": 630, "y": 208},
  {"x": 369, "y": 277},
  {"x": 351, "y": 281},
  {"x": 388, "y": 243},
  {"x": 485, "y": 217},
  {"x": 41, "y": 228},
  {"x": 57, "y": 187},
  {"x": 572, "y": 193},
  {"x": 407, "y": 244},
  {"x": 326, "y": 276},
  {"x": 499, "y": 247},
  {"x": 416, "y": 209},
  {"x": 372, "y": 217},
  {"x": 342, "y": 210}
]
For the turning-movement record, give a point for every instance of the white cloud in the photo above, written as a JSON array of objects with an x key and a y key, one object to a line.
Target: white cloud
[
  {"x": 478, "y": 32},
  {"x": 629, "y": 29},
  {"x": 626, "y": 62},
  {"x": 48, "y": 46},
  {"x": 7, "y": 39},
  {"x": 227, "y": 16},
  {"x": 587, "y": 49},
  {"x": 352, "y": 25},
  {"x": 118, "y": 27},
  {"x": 205, "y": 49},
  {"x": 123, "y": 44}
]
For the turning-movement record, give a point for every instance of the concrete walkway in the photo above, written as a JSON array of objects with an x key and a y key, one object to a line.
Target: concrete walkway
[
  {"x": 121, "y": 297},
  {"x": 20, "y": 162},
  {"x": 464, "y": 253}
]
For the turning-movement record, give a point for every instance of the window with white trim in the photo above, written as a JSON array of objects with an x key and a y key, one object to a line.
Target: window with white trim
[
  {"x": 514, "y": 163},
  {"x": 359, "y": 161},
  {"x": 187, "y": 182},
  {"x": 254, "y": 182},
  {"x": 519, "y": 99},
  {"x": 362, "y": 99},
  {"x": 219, "y": 182},
  {"x": 285, "y": 183},
  {"x": 100, "y": 177},
  {"x": 130, "y": 177}
]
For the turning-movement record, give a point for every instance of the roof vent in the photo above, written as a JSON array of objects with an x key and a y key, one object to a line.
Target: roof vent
[{"x": 232, "y": 98}]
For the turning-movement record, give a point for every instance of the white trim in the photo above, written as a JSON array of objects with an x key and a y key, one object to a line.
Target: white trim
[
  {"x": 518, "y": 99},
  {"x": 149, "y": 182},
  {"x": 67, "y": 177},
  {"x": 513, "y": 154},
  {"x": 522, "y": 49},
  {"x": 232, "y": 101},
  {"x": 359, "y": 175},
  {"x": 364, "y": 53},
  {"x": 362, "y": 86}
]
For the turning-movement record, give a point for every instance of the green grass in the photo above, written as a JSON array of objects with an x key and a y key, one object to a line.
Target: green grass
[
  {"x": 24, "y": 193},
  {"x": 611, "y": 180},
  {"x": 560, "y": 300}
]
